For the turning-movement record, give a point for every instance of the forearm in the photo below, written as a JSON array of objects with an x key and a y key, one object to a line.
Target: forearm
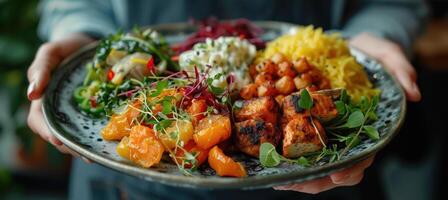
[
  {"x": 397, "y": 20},
  {"x": 63, "y": 18}
]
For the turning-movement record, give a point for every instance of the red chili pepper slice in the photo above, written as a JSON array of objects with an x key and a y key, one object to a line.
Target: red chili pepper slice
[
  {"x": 93, "y": 102},
  {"x": 175, "y": 58},
  {"x": 150, "y": 65},
  {"x": 110, "y": 74}
]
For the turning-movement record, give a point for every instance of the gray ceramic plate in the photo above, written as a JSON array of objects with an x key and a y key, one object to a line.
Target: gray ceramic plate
[{"x": 81, "y": 133}]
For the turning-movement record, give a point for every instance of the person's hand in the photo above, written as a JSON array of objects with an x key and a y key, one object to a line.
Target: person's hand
[
  {"x": 393, "y": 59},
  {"x": 47, "y": 58},
  {"x": 347, "y": 177}
]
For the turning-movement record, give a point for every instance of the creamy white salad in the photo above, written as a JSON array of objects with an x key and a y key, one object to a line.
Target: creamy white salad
[{"x": 225, "y": 55}]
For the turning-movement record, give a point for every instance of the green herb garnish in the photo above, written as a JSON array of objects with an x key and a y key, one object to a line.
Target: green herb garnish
[
  {"x": 305, "y": 101},
  {"x": 270, "y": 158}
]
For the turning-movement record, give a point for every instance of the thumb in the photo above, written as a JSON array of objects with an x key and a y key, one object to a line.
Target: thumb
[{"x": 47, "y": 58}]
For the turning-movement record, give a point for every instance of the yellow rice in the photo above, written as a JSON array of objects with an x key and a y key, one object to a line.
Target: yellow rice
[{"x": 329, "y": 53}]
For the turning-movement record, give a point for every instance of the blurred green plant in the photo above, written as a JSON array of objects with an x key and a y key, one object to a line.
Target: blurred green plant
[
  {"x": 18, "y": 44},
  {"x": 18, "y": 38},
  {"x": 5, "y": 179}
]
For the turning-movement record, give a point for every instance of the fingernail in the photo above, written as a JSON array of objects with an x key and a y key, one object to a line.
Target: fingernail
[
  {"x": 416, "y": 91},
  {"x": 30, "y": 90},
  {"x": 342, "y": 179},
  {"x": 86, "y": 160},
  {"x": 55, "y": 141},
  {"x": 281, "y": 188}
]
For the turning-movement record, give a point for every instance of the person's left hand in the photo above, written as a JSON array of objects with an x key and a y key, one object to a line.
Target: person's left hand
[
  {"x": 347, "y": 177},
  {"x": 394, "y": 61}
]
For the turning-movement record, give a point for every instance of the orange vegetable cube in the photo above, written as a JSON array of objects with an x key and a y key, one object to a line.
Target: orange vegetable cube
[
  {"x": 123, "y": 148},
  {"x": 249, "y": 91},
  {"x": 300, "y": 83},
  {"x": 119, "y": 125},
  {"x": 279, "y": 99},
  {"x": 267, "y": 89},
  {"x": 197, "y": 110},
  {"x": 199, "y": 154},
  {"x": 224, "y": 165},
  {"x": 285, "y": 69},
  {"x": 285, "y": 85},
  {"x": 262, "y": 78},
  {"x": 267, "y": 67},
  {"x": 278, "y": 58},
  {"x": 302, "y": 65},
  {"x": 179, "y": 132},
  {"x": 144, "y": 148},
  {"x": 212, "y": 130}
]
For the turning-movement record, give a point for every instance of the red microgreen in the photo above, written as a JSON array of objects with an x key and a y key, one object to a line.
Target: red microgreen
[{"x": 213, "y": 28}]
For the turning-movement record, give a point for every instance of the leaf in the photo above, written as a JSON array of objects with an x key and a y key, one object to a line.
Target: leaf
[
  {"x": 164, "y": 124},
  {"x": 269, "y": 156},
  {"x": 213, "y": 89},
  {"x": 167, "y": 107},
  {"x": 340, "y": 107},
  {"x": 305, "y": 101},
  {"x": 374, "y": 102},
  {"x": 372, "y": 115},
  {"x": 364, "y": 103},
  {"x": 352, "y": 141},
  {"x": 355, "y": 119},
  {"x": 303, "y": 161},
  {"x": 161, "y": 85},
  {"x": 344, "y": 96},
  {"x": 333, "y": 158},
  {"x": 372, "y": 132}
]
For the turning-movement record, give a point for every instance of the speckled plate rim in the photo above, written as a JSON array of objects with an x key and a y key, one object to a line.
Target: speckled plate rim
[{"x": 220, "y": 182}]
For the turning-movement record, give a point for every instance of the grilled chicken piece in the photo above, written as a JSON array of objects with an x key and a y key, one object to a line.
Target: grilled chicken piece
[
  {"x": 262, "y": 108},
  {"x": 301, "y": 135},
  {"x": 250, "y": 134},
  {"x": 323, "y": 107},
  {"x": 291, "y": 108}
]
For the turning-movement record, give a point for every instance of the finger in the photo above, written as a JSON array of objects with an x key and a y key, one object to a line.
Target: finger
[
  {"x": 47, "y": 58},
  {"x": 348, "y": 174},
  {"x": 86, "y": 160},
  {"x": 66, "y": 150},
  {"x": 405, "y": 74},
  {"x": 354, "y": 179},
  {"x": 394, "y": 60},
  {"x": 37, "y": 124},
  {"x": 311, "y": 187}
]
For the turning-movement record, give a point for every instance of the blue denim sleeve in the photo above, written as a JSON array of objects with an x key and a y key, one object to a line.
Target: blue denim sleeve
[
  {"x": 60, "y": 18},
  {"x": 398, "y": 20}
]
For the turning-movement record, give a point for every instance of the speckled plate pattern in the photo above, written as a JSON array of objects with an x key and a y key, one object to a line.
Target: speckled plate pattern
[{"x": 81, "y": 133}]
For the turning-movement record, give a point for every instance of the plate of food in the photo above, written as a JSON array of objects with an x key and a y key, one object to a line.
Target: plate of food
[{"x": 232, "y": 104}]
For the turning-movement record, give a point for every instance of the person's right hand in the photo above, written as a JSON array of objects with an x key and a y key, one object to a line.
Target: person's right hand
[{"x": 49, "y": 56}]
